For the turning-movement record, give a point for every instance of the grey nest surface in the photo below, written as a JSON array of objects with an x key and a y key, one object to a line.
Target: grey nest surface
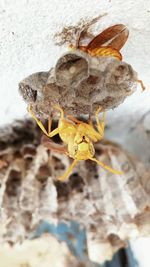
[
  {"x": 80, "y": 84},
  {"x": 112, "y": 208}
]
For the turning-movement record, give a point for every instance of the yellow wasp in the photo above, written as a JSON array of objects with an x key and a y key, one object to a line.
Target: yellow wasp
[{"x": 78, "y": 136}]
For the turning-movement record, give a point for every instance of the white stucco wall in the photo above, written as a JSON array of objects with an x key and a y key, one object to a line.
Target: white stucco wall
[{"x": 27, "y": 28}]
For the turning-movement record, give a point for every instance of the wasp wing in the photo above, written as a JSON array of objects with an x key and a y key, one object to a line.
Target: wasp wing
[
  {"x": 114, "y": 37},
  {"x": 50, "y": 145}
]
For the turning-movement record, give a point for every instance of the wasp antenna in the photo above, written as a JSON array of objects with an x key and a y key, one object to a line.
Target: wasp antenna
[
  {"x": 106, "y": 166},
  {"x": 65, "y": 176}
]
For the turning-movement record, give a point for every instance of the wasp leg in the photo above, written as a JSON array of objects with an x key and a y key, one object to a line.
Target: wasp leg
[
  {"x": 142, "y": 85},
  {"x": 106, "y": 166},
  {"x": 100, "y": 126},
  {"x": 78, "y": 121},
  {"x": 54, "y": 132},
  {"x": 90, "y": 122},
  {"x": 65, "y": 176},
  {"x": 74, "y": 119},
  {"x": 37, "y": 121},
  {"x": 49, "y": 124},
  {"x": 61, "y": 111}
]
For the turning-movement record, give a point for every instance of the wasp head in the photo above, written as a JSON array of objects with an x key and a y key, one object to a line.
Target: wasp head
[{"x": 81, "y": 149}]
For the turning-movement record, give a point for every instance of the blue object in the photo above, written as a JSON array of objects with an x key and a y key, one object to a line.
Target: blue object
[
  {"x": 72, "y": 233},
  {"x": 75, "y": 237}
]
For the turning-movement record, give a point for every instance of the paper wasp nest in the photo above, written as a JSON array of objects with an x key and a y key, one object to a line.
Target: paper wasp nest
[
  {"x": 112, "y": 209},
  {"x": 39, "y": 252},
  {"x": 79, "y": 83}
]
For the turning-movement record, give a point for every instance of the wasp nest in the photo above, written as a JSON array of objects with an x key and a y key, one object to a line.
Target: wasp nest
[
  {"x": 112, "y": 208},
  {"x": 39, "y": 252},
  {"x": 80, "y": 84}
]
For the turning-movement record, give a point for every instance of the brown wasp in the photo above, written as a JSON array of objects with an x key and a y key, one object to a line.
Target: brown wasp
[{"x": 107, "y": 43}]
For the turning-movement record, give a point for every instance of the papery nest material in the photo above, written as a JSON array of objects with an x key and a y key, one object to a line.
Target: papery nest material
[
  {"x": 80, "y": 84},
  {"x": 112, "y": 209},
  {"x": 82, "y": 80}
]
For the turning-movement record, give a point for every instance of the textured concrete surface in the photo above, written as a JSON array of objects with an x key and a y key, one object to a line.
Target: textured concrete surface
[{"x": 26, "y": 45}]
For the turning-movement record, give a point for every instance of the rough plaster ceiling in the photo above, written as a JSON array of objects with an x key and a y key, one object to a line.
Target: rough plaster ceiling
[{"x": 26, "y": 46}]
